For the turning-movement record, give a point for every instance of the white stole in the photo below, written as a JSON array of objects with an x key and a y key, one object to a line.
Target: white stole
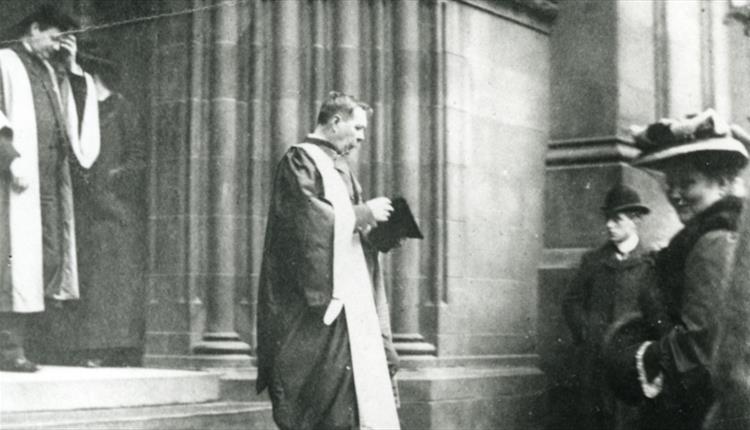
[
  {"x": 353, "y": 288},
  {"x": 86, "y": 147},
  {"x": 25, "y": 214}
]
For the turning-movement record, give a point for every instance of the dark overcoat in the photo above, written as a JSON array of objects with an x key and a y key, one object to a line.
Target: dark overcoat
[
  {"x": 110, "y": 214},
  {"x": 603, "y": 289}
]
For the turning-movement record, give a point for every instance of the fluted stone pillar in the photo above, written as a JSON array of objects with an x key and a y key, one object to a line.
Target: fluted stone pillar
[
  {"x": 347, "y": 48},
  {"x": 225, "y": 221},
  {"x": 285, "y": 84},
  {"x": 196, "y": 214},
  {"x": 406, "y": 174}
]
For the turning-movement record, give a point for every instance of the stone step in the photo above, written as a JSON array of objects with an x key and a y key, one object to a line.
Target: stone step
[
  {"x": 448, "y": 398},
  {"x": 55, "y": 388},
  {"x": 212, "y": 415},
  {"x": 239, "y": 385}
]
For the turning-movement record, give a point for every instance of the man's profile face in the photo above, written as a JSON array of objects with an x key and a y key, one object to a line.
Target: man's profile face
[
  {"x": 349, "y": 132},
  {"x": 44, "y": 43},
  {"x": 621, "y": 227}
]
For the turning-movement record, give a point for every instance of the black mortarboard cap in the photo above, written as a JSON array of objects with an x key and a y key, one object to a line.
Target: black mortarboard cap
[
  {"x": 400, "y": 225},
  {"x": 46, "y": 15}
]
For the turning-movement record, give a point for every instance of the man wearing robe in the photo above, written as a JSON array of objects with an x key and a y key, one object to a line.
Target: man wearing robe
[
  {"x": 324, "y": 338},
  {"x": 48, "y": 107}
]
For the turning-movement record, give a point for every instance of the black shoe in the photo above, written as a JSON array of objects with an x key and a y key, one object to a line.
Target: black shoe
[{"x": 18, "y": 365}]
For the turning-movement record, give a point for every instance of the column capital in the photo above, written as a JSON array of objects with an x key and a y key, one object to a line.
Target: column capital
[
  {"x": 588, "y": 150},
  {"x": 544, "y": 9}
]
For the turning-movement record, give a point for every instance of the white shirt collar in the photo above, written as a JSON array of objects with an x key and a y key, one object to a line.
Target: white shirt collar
[{"x": 628, "y": 245}]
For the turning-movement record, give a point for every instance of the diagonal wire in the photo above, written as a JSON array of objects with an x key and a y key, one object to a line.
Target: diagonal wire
[{"x": 142, "y": 19}]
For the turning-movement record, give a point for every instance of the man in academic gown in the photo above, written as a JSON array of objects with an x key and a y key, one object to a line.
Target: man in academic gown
[
  {"x": 324, "y": 339},
  {"x": 48, "y": 107}
]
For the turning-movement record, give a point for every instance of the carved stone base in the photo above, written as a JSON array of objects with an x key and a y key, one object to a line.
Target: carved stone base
[
  {"x": 412, "y": 344},
  {"x": 222, "y": 344}
]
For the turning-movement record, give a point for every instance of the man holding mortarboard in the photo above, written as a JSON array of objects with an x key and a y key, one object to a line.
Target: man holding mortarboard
[
  {"x": 324, "y": 338},
  {"x": 606, "y": 287},
  {"x": 49, "y": 124}
]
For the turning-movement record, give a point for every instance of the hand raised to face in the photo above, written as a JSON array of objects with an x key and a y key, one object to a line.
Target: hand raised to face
[{"x": 68, "y": 49}]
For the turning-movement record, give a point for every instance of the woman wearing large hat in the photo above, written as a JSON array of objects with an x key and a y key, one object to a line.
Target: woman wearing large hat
[{"x": 701, "y": 159}]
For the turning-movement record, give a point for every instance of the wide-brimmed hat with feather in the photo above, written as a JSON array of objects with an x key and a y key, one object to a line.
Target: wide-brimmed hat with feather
[{"x": 705, "y": 133}]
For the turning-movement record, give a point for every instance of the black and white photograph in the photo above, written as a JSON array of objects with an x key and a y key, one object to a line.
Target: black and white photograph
[{"x": 374, "y": 214}]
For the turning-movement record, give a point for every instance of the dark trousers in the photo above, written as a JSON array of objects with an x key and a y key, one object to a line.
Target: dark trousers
[{"x": 12, "y": 335}]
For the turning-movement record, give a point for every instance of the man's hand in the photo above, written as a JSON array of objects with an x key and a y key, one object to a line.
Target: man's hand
[
  {"x": 19, "y": 173},
  {"x": 381, "y": 208},
  {"x": 68, "y": 50}
]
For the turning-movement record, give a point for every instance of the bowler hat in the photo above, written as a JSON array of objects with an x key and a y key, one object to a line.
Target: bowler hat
[
  {"x": 694, "y": 135},
  {"x": 621, "y": 198}
]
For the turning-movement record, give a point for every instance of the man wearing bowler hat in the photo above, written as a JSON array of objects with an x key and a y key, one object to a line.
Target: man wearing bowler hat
[{"x": 606, "y": 287}]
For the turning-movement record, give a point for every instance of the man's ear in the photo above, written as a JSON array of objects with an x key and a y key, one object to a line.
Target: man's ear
[
  {"x": 334, "y": 122},
  {"x": 726, "y": 185},
  {"x": 34, "y": 28}
]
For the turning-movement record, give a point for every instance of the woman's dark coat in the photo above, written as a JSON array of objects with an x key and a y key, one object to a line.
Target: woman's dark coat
[
  {"x": 694, "y": 271},
  {"x": 110, "y": 214}
]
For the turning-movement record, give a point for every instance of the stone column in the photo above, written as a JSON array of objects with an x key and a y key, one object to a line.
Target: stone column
[
  {"x": 286, "y": 90},
  {"x": 406, "y": 175},
  {"x": 224, "y": 221},
  {"x": 346, "y": 48},
  {"x": 173, "y": 298},
  {"x": 196, "y": 222}
]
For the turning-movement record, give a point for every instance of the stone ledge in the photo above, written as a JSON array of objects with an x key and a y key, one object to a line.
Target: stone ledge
[
  {"x": 218, "y": 362},
  {"x": 457, "y": 383},
  {"x": 477, "y": 361},
  {"x": 471, "y": 398},
  {"x": 213, "y": 415},
  {"x": 561, "y": 258},
  {"x": 69, "y": 388}
]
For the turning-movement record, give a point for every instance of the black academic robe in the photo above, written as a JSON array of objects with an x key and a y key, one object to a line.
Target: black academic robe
[
  {"x": 306, "y": 365},
  {"x": 110, "y": 217}
]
